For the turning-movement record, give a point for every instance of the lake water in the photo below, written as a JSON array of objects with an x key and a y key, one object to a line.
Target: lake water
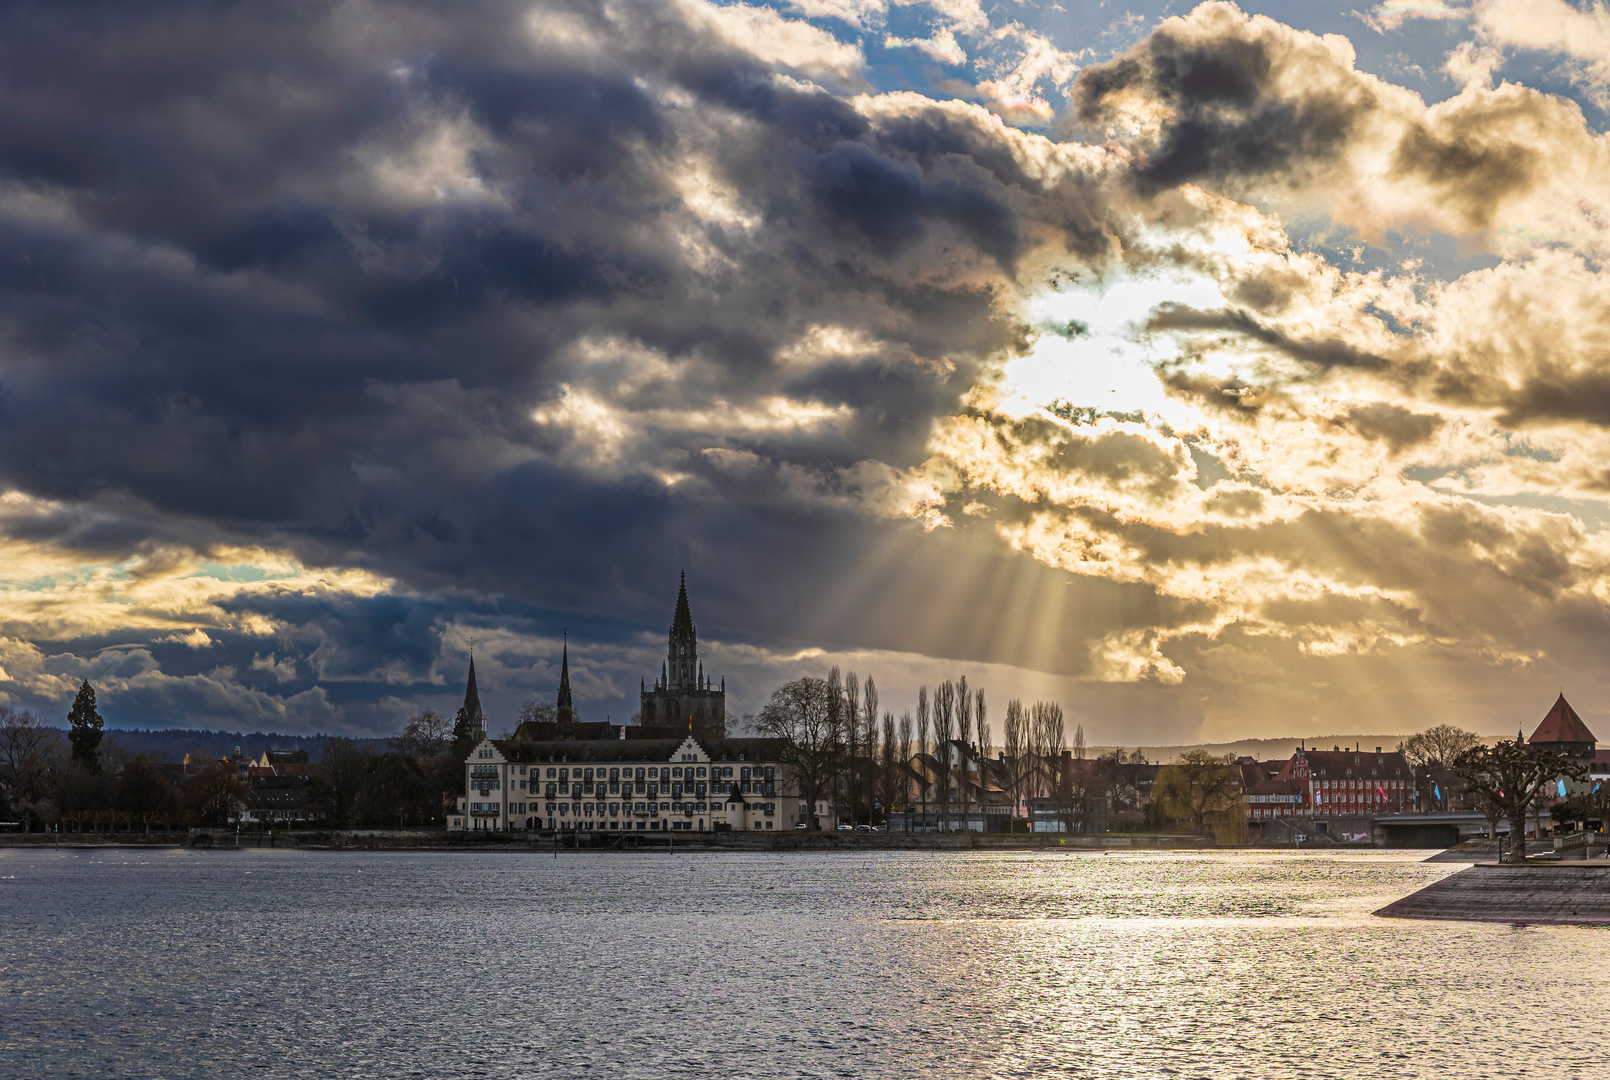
[{"x": 309, "y": 964}]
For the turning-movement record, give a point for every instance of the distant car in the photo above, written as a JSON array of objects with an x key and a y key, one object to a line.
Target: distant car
[
  {"x": 880, "y": 828},
  {"x": 844, "y": 828},
  {"x": 801, "y": 825},
  {"x": 863, "y": 828}
]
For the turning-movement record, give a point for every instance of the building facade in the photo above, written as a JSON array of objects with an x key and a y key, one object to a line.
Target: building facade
[
  {"x": 682, "y": 697},
  {"x": 628, "y": 785},
  {"x": 1563, "y": 731}
]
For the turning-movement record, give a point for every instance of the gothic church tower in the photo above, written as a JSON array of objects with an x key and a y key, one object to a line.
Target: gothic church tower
[{"x": 682, "y": 698}]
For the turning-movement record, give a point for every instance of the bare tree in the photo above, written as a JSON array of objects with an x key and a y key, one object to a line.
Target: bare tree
[
  {"x": 23, "y": 738},
  {"x": 806, "y": 714},
  {"x": 964, "y": 733},
  {"x": 886, "y": 759},
  {"x": 869, "y": 718},
  {"x": 1017, "y": 749},
  {"x": 345, "y": 766},
  {"x": 1197, "y": 785},
  {"x": 1432, "y": 754},
  {"x": 985, "y": 738},
  {"x": 1077, "y": 784},
  {"x": 924, "y": 778},
  {"x": 944, "y": 732},
  {"x": 905, "y": 764},
  {"x": 426, "y": 734},
  {"x": 1507, "y": 777},
  {"x": 850, "y": 781}
]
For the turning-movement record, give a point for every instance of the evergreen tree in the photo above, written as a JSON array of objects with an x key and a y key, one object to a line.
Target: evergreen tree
[
  {"x": 86, "y": 727},
  {"x": 464, "y": 728}
]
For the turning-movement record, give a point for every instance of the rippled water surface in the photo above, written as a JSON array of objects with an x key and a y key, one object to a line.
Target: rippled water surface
[{"x": 286, "y": 963}]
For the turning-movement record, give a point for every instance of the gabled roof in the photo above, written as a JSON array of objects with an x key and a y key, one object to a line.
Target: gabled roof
[{"x": 1562, "y": 725}]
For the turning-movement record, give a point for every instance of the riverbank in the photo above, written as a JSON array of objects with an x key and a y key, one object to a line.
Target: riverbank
[
  {"x": 438, "y": 840},
  {"x": 392, "y": 840},
  {"x": 1565, "y": 893}
]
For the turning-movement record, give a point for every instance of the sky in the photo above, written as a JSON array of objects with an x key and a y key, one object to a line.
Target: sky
[{"x": 1218, "y": 372}]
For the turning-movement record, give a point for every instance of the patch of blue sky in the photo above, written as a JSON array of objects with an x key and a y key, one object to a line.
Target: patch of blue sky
[
  {"x": 1594, "y": 514},
  {"x": 67, "y": 579},
  {"x": 240, "y": 573},
  {"x": 1440, "y": 256}
]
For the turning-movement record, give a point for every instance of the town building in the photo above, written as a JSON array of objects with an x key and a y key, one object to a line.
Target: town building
[
  {"x": 1329, "y": 784},
  {"x": 675, "y": 771},
  {"x": 1563, "y": 731},
  {"x": 628, "y": 785}
]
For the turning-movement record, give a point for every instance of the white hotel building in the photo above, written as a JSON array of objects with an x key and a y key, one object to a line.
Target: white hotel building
[{"x": 627, "y": 785}]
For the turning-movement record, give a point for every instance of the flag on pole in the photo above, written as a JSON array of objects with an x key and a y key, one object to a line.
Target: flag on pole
[{"x": 1561, "y": 785}]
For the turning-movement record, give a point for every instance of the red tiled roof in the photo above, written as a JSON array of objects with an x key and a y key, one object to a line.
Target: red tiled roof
[{"x": 1562, "y": 725}]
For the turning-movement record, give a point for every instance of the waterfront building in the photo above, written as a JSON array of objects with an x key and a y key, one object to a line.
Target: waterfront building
[
  {"x": 1563, "y": 731},
  {"x": 1332, "y": 783},
  {"x": 674, "y": 771},
  {"x": 623, "y": 784}
]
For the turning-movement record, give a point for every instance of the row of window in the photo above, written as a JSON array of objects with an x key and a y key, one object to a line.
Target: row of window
[
  {"x": 615, "y": 809},
  {"x": 656, "y": 772}
]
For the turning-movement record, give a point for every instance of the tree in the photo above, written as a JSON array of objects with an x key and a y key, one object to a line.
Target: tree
[
  {"x": 904, "y": 773},
  {"x": 1197, "y": 785},
  {"x": 393, "y": 790},
  {"x": 143, "y": 792},
  {"x": 944, "y": 732},
  {"x": 214, "y": 796},
  {"x": 425, "y": 735},
  {"x": 1080, "y": 785},
  {"x": 1432, "y": 753},
  {"x": 851, "y": 780},
  {"x": 538, "y": 712},
  {"x": 869, "y": 719},
  {"x": 346, "y": 765},
  {"x": 886, "y": 767},
  {"x": 1017, "y": 752},
  {"x": 466, "y": 730},
  {"x": 805, "y": 714},
  {"x": 85, "y": 728},
  {"x": 924, "y": 777},
  {"x": 25, "y": 745},
  {"x": 1506, "y": 778},
  {"x": 964, "y": 731}
]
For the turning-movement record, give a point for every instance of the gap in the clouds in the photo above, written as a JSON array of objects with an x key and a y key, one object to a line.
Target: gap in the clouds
[
  {"x": 242, "y": 573},
  {"x": 1437, "y": 256},
  {"x": 1594, "y": 515}
]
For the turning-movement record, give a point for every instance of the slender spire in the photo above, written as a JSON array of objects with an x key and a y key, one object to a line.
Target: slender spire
[
  {"x": 682, "y": 621},
  {"x": 565, "y": 709},
  {"x": 472, "y": 698}
]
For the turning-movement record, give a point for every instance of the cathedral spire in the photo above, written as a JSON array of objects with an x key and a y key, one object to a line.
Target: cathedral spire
[
  {"x": 682, "y": 657},
  {"x": 565, "y": 710},
  {"x": 472, "y": 699},
  {"x": 682, "y": 621}
]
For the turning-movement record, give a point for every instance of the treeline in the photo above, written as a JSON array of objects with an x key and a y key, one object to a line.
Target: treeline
[
  {"x": 938, "y": 762},
  {"x": 83, "y": 781}
]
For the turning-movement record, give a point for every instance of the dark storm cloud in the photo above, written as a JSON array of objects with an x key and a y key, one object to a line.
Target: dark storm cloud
[
  {"x": 211, "y": 316},
  {"x": 1233, "y": 113},
  {"x": 1394, "y": 425},
  {"x": 301, "y": 276},
  {"x": 1323, "y": 354}
]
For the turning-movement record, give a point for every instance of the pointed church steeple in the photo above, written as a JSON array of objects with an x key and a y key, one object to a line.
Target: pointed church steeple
[
  {"x": 682, "y": 621},
  {"x": 683, "y": 654},
  {"x": 472, "y": 700},
  {"x": 564, "y": 709}
]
